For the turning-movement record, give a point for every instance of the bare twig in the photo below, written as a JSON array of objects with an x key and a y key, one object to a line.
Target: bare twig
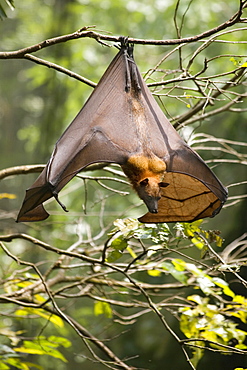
[{"x": 87, "y": 32}]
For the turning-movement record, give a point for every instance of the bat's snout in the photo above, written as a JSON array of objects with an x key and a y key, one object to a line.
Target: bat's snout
[
  {"x": 153, "y": 210},
  {"x": 152, "y": 205}
]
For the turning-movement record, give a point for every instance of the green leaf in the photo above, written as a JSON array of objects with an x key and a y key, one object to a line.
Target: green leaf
[
  {"x": 238, "y": 308},
  {"x": 32, "y": 351},
  {"x": 197, "y": 354},
  {"x": 178, "y": 274},
  {"x": 119, "y": 245},
  {"x": 56, "y": 320},
  {"x": 191, "y": 228},
  {"x": 102, "y": 308},
  {"x": 42, "y": 346},
  {"x": 178, "y": 264},
  {"x": 60, "y": 341},
  {"x": 4, "y": 366}
]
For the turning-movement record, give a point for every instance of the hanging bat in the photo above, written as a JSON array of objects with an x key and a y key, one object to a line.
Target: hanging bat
[{"x": 122, "y": 123}]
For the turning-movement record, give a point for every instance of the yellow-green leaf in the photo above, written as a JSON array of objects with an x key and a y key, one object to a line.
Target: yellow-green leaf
[
  {"x": 102, "y": 308},
  {"x": 32, "y": 351},
  {"x": 224, "y": 285},
  {"x": 154, "y": 273},
  {"x": 131, "y": 252},
  {"x": 4, "y": 366},
  {"x": 198, "y": 242},
  {"x": 16, "y": 363},
  {"x": 197, "y": 355},
  {"x": 56, "y": 320},
  {"x": 7, "y": 195}
]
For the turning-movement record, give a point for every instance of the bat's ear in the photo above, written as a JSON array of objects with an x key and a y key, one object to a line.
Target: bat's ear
[
  {"x": 144, "y": 182},
  {"x": 36, "y": 214}
]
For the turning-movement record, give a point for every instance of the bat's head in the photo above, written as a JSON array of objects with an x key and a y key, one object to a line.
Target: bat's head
[{"x": 149, "y": 191}]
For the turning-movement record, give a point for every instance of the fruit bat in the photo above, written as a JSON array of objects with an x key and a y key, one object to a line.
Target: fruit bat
[{"x": 122, "y": 123}]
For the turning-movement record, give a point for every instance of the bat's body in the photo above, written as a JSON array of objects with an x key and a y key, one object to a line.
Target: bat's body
[{"x": 122, "y": 123}]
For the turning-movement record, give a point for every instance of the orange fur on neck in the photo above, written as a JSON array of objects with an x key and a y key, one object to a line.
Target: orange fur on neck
[
  {"x": 140, "y": 167},
  {"x": 146, "y": 175}
]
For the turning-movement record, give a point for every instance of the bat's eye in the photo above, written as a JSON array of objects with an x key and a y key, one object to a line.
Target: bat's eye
[{"x": 163, "y": 184}]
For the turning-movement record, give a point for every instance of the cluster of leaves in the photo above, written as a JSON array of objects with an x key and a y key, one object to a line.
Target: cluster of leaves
[
  {"x": 14, "y": 355},
  {"x": 205, "y": 321},
  {"x": 209, "y": 323},
  {"x": 153, "y": 251}
]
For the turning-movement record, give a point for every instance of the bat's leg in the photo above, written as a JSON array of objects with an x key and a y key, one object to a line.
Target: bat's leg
[
  {"x": 55, "y": 194},
  {"x": 127, "y": 72},
  {"x": 134, "y": 76}
]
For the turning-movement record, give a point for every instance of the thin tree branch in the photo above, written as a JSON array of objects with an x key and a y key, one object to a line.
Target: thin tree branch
[
  {"x": 86, "y": 32},
  {"x": 59, "y": 69}
]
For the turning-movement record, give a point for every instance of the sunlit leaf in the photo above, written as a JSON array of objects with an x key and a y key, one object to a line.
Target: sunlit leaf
[
  {"x": 131, "y": 252},
  {"x": 17, "y": 363},
  {"x": 224, "y": 285},
  {"x": 43, "y": 346},
  {"x": 198, "y": 242},
  {"x": 33, "y": 351},
  {"x": 197, "y": 355},
  {"x": 191, "y": 228},
  {"x": 126, "y": 225},
  {"x": 102, "y": 308},
  {"x": 154, "y": 273},
  {"x": 4, "y": 366},
  {"x": 40, "y": 312},
  {"x": 178, "y": 274},
  {"x": 7, "y": 195},
  {"x": 60, "y": 341},
  {"x": 178, "y": 264}
]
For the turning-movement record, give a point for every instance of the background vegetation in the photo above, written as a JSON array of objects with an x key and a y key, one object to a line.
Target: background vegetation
[{"x": 94, "y": 288}]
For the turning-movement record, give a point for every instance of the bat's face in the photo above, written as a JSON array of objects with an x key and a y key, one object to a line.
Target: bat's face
[
  {"x": 146, "y": 173},
  {"x": 149, "y": 191}
]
